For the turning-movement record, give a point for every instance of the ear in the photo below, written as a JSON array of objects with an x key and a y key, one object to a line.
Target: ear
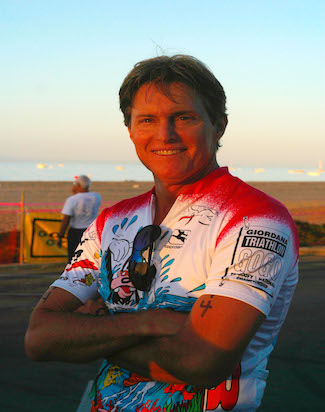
[
  {"x": 221, "y": 127},
  {"x": 130, "y": 133}
]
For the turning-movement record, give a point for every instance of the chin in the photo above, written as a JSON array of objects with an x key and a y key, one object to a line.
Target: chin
[{"x": 172, "y": 177}]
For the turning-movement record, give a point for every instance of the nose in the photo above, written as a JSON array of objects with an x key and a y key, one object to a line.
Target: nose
[{"x": 166, "y": 131}]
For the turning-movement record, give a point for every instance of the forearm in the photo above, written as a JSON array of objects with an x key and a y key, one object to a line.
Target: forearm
[
  {"x": 79, "y": 337},
  {"x": 64, "y": 224},
  {"x": 177, "y": 359},
  {"x": 204, "y": 352},
  {"x": 76, "y": 337}
]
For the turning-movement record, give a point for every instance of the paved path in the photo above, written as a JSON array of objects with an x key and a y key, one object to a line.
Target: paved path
[{"x": 297, "y": 364}]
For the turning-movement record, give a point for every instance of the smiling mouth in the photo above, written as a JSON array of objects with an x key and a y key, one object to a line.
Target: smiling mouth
[{"x": 168, "y": 152}]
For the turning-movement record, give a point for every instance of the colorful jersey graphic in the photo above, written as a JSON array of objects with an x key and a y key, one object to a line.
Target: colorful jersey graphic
[{"x": 221, "y": 237}]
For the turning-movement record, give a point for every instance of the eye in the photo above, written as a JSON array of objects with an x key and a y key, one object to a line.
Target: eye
[
  {"x": 185, "y": 118},
  {"x": 146, "y": 120}
]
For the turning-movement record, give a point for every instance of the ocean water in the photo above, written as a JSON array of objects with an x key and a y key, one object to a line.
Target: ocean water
[{"x": 99, "y": 171}]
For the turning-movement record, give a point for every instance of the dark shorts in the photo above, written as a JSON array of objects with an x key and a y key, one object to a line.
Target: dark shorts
[{"x": 74, "y": 236}]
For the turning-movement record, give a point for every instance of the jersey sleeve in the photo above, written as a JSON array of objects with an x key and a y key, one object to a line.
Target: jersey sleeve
[
  {"x": 253, "y": 260},
  {"x": 80, "y": 276}
]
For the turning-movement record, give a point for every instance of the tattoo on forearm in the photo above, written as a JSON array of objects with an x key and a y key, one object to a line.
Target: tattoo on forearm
[
  {"x": 47, "y": 294},
  {"x": 205, "y": 307}
]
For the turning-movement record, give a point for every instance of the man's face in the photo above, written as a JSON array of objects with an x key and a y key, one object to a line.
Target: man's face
[{"x": 175, "y": 139}]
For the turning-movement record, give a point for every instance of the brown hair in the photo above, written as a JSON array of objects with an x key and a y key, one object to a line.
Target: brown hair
[{"x": 162, "y": 71}]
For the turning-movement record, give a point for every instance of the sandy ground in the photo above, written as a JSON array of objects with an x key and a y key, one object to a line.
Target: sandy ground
[
  {"x": 305, "y": 200},
  {"x": 295, "y": 383}
]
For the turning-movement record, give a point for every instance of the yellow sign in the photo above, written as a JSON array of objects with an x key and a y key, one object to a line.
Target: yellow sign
[{"x": 40, "y": 237}]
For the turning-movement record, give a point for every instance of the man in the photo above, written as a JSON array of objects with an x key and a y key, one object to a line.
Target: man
[
  {"x": 79, "y": 211},
  {"x": 196, "y": 275}
]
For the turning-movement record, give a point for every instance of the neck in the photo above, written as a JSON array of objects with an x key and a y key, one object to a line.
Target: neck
[
  {"x": 164, "y": 201},
  {"x": 167, "y": 193}
]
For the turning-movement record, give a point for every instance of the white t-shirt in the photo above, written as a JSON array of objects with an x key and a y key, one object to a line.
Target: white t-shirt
[
  {"x": 83, "y": 209},
  {"x": 221, "y": 237}
]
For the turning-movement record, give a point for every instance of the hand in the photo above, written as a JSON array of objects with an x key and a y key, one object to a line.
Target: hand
[{"x": 95, "y": 307}]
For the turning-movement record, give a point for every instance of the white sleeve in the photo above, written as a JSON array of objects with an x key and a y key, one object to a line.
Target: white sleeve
[
  {"x": 80, "y": 277},
  {"x": 68, "y": 207},
  {"x": 252, "y": 263}
]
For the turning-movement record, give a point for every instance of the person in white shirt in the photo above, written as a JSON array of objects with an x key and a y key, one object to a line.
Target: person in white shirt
[{"x": 79, "y": 211}]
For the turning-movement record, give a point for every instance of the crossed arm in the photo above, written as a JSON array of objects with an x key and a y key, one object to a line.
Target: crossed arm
[{"x": 202, "y": 347}]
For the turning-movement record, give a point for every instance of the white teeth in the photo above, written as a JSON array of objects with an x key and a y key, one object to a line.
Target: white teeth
[{"x": 167, "y": 152}]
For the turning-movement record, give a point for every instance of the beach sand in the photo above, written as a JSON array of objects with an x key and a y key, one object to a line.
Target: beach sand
[{"x": 305, "y": 200}]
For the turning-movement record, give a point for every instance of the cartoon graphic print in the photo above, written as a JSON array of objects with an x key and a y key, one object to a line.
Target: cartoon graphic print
[
  {"x": 202, "y": 214},
  {"x": 85, "y": 264},
  {"x": 141, "y": 394},
  {"x": 114, "y": 282},
  {"x": 113, "y": 376},
  {"x": 163, "y": 298},
  {"x": 88, "y": 279},
  {"x": 225, "y": 395},
  {"x": 138, "y": 393}
]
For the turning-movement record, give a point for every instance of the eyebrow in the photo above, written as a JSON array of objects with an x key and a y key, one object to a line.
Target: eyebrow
[
  {"x": 174, "y": 114},
  {"x": 181, "y": 112},
  {"x": 144, "y": 115}
]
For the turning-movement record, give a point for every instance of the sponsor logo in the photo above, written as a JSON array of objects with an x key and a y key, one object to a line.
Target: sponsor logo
[
  {"x": 258, "y": 268},
  {"x": 178, "y": 238},
  {"x": 265, "y": 243},
  {"x": 266, "y": 283},
  {"x": 267, "y": 234},
  {"x": 258, "y": 263}
]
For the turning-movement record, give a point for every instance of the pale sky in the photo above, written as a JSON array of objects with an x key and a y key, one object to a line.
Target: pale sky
[{"x": 62, "y": 63}]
